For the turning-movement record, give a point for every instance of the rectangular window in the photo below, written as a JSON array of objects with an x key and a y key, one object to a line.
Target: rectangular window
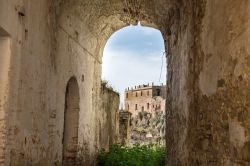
[
  {"x": 142, "y": 108},
  {"x": 135, "y": 106},
  {"x": 135, "y": 94},
  {"x": 147, "y": 105},
  {"x": 126, "y": 95},
  {"x": 141, "y": 93},
  {"x": 158, "y": 92}
]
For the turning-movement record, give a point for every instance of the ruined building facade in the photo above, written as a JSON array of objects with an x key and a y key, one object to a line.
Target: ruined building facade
[
  {"x": 51, "y": 57},
  {"x": 145, "y": 98}
]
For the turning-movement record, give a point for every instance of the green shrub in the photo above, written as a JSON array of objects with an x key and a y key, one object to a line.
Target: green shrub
[
  {"x": 142, "y": 114},
  {"x": 144, "y": 155},
  {"x": 106, "y": 84}
]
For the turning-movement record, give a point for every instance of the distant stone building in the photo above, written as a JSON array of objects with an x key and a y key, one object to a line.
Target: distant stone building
[
  {"x": 148, "y": 98},
  {"x": 146, "y": 103}
]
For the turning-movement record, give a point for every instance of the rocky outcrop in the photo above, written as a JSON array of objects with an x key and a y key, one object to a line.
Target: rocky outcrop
[
  {"x": 148, "y": 128},
  {"x": 124, "y": 126}
]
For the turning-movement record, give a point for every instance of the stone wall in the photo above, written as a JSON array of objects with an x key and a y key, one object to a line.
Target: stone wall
[
  {"x": 148, "y": 129},
  {"x": 28, "y": 117},
  {"x": 108, "y": 118},
  {"x": 124, "y": 127},
  {"x": 222, "y": 105},
  {"x": 208, "y": 78}
]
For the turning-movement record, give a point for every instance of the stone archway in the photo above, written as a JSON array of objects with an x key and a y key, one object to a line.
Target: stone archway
[
  {"x": 202, "y": 66},
  {"x": 71, "y": 122}
]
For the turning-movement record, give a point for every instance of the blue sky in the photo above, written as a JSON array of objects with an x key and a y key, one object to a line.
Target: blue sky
[{"x": 133, "y": 56}]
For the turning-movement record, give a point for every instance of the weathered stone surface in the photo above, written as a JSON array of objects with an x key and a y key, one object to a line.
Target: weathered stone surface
[
  {"x": 124, "y": 127},
  {"x": 71, "y": 123},
  {"x": 148, "y": 128},
  {"x": 50, "y": 41},
  {"x": 108, "y": 118},
  {"x": 209, "y": 89}
]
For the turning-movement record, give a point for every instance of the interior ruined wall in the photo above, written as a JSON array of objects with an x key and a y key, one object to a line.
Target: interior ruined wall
[
  {"x": 27, "y": 137},
  {"x": 73, "y": 58},
  {"x": 45, "y": 54},
  {"x": 208, "y": 77},
  {"x": 108, "y": 118},
  {"x": 49, "y": 44},
  {"x": 223, "y": 98}
]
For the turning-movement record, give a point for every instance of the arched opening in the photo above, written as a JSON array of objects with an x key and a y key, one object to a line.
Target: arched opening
[
  {"x": 71, "y": 121},
  {"x": 4, "y": 64},
  {"x": 5, "y": 56},
  {"x": 134, "y": 64}
]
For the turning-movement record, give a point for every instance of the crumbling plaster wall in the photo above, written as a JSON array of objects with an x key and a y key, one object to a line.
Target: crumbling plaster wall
[
  {"x": 208, "y": 77},
  {"x": 26, "y": 137},
  {"x": 223, "y": 106}
]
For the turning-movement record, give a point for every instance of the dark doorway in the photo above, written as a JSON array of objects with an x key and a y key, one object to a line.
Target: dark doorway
[{"x": 71, "y": 121}]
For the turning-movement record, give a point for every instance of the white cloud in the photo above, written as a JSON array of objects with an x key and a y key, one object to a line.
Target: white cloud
[
  {"x": 133, "y": 56},
  {"x": 148, "y": 31},
  {"x": 127, "y": 69}
]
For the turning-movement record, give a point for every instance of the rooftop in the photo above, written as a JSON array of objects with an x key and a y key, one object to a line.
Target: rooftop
[{"x": 143, "y": 86}]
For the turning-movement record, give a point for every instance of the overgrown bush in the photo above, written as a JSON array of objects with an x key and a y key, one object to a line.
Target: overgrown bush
[
  {"x": 139, "y": 155},
  {"x": 142, "y": 114},
  {"x": 107, "y": 84}
]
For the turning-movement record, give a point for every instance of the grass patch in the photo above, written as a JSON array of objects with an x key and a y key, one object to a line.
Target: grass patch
[{"x": 139, "y": 155}]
